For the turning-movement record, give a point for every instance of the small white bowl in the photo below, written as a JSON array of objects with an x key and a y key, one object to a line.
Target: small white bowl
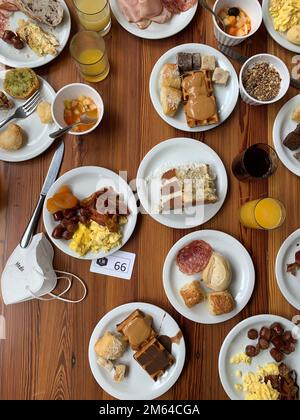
[
  {"x": 280, "y": 67},
  {"x": 73, "y": 91},
  {"x": 253, "y": 10}
]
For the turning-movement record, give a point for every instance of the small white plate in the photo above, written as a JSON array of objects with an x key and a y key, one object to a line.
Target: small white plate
[
  {"x": 243, "y": 276},
  {"x": 137, "y": 384},
  {"x": 289, "y": 284},
  {"x": 167, "y": 155},
  {"x": 284, "y": 125},
  {"x": 37, "y": 138},
  {"x": 278, "y": 37},
  {"x": 226, "y": 96},
  {"x": 236, "y": 342},
  {"x": 155, "y": 30},
  {"x": 85, "y": 181},
  {"x": 26, "y": 57}
]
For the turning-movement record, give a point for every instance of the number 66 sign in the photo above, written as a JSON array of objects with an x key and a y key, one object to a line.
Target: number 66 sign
[{"x": 119, "y": 265}]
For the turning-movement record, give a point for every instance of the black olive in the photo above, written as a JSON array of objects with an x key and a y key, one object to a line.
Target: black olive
[{"x": 233, "y": 11}]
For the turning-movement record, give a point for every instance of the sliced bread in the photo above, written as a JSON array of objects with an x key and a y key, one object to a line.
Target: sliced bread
[
  {"x": 50, "y": 12},
  {"x": 21, "y": 83}
]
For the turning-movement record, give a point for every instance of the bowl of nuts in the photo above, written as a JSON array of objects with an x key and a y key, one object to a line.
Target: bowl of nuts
[{"x": 264, "y": 80}]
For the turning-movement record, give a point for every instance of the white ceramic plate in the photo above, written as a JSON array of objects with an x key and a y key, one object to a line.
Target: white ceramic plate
[
  {"x": 284, "y": 125},
  {"x": 83, "y": 182},
  {"x": 37, "y": 138},
  {"x": 278, "y": 37},
  {"x": 288, "y": 284},
  {"x": 236, "y": 342},
  {"x": 166, "y": 155},
  {"x": 243, "y": 276},
  {"x": 26, "y": 57},
  {"x": 226, "y": 96},
  {"x": 137, "y": 384},
  {"x": 155, "y": 30}
]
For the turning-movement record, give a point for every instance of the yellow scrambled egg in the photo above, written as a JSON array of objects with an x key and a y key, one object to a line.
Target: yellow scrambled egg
[
  {"x": 285, "y": 14},
  {"x": 240, "y": 358},
  {"x": 94, "y": 238},
  {"x": 254, "y": 386}
]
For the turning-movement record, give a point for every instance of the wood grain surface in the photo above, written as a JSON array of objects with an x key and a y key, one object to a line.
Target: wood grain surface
[{"x": 45, "y": 354}]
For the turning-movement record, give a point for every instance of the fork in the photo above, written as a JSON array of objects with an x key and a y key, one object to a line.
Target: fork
[{"x": 25, "y": 110}]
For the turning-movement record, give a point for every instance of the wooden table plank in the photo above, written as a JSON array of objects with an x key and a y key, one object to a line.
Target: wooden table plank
[{"x": 45, "y": 353}]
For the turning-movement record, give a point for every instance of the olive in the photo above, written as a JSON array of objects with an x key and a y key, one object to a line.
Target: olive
[
  {"x": 8, "y": 36},
  {"x": 17, "y": 42},
  {"x": 58, "y": 216},
  {"x": 67, "y": 235},
  {"x": 233, "y": 11},
  {"x": 58, "y": 232}
]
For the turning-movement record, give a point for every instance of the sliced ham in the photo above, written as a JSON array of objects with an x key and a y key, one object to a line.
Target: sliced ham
[
  {"x": 178, "y": 6},
  {"x": 143, "y": 12},
  {"x": 164, "y": 17}
]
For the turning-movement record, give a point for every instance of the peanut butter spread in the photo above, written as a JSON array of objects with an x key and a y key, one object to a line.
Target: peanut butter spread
[
  {"x": 200, "y": 105},
  {"x": 138, "y": 330}
]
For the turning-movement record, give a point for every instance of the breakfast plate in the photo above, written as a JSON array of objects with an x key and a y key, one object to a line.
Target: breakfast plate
[
  {"x": 137, "y": 385},
  {"x": 37, "y": 134},
  {"x": 26, "y": 57},
  {"x": 289, "y": 284},
  {"x": 83, "y": 182},
  {"x": 283, "y": 125},
  {"x": 226, "y": 96},
  {"x": 235, "y": 344},
  {"x": 155, "y": 30},
  {"x": 278, "y": 37},
  {"x": 168, "y": 154},
  {"x": 243, "y": 276}
]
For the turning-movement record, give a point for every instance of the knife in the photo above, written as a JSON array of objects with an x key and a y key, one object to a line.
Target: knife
[
  {"x": 230, "y": 52},
  {"x": 50, "y": 179}
]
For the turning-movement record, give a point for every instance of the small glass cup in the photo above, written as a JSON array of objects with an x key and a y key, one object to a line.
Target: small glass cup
[
  {"x": 259, "y": 161},
  {"x": 88, "y": 50},
  {"x": 94, "y": 15},
  {"x": 264, "y": 214}
]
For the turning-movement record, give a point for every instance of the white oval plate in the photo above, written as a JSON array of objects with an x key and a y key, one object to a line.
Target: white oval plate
[
  {"x": 236, "y": 342},
  {"x": 168, "y": 154},
  {"x": 226, "y": 96},
  {"x": 155, "y": 30},
  {"x": 284, "y": 125},
  {"x": 288, "y": 284},
  {"x": 243, "y": 279},
  {"x": 278, "y": 37},
  {"x": 137, "y": 384},
  {"x": 37, "y": 134},
  {"x": 83, "y": 182},
  {"x": 26, "y": 57}
]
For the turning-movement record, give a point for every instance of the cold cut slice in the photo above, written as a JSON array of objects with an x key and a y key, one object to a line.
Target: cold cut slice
[
  {"x": 194, "y": 258},
  {"x": 178, "y": 6}
]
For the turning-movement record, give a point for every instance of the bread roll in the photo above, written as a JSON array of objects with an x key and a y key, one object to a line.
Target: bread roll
[{"x": 217, "y": 275}]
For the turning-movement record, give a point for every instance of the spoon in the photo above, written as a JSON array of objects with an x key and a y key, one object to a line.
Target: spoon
[
  {"x": 84, "y": 120},
  {"x": 218, "y": 19}
]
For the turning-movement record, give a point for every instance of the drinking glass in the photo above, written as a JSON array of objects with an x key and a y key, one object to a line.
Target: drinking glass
[
  {"x": 94, "y": 15},
  {"x": 265, "y": 214}
]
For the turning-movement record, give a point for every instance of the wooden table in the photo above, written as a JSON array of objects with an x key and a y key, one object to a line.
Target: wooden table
[{"x": 45, "y": 353}]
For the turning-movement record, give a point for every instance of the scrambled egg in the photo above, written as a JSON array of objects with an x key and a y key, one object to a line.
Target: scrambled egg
[
  {"x": 240, "y": 358},
  {"x": 285, "y": 14},
  {"x": 254, "y": 386},
  {"x": 41, "y": 42},
  {"x": 94, "y": 238}
]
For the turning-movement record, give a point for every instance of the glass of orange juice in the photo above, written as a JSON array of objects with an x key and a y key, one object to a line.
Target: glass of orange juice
[
  {"x": 94, "y": 15},
  {"x": 266, "y": 214},
  {"x": 88, "y": 50}
]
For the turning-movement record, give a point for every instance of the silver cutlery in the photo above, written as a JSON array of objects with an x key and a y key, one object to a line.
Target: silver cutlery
[
  {"x": 218, "y": 19},
  {"x": 235, "y": 55},
  {"x": 84, "y": 120},
  {"x": 25, "y": 110},
  {"x": 50, "y": 179}
]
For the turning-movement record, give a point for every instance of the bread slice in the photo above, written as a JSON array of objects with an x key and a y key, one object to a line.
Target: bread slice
[
  {"x": 21, "y": 83},
  {"x": 220, "y": 303},
  {"x": 50, "y": 12}
]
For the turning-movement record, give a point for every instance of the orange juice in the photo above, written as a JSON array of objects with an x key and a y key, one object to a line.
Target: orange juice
[
  {"x": 94, "y": 65},
  {"x": 94, "y": 15},
  {"x": 266, "y": 213}
]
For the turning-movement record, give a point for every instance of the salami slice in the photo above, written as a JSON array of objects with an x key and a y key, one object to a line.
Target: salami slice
[
  {"x": 194, "y": 258},
  {"x": 178, "y": 6}
]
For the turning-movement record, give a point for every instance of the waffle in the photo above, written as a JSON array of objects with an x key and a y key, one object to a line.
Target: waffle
[
  {"x": 154, "y": 359},
  {"x": 203, "y": 85}
]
